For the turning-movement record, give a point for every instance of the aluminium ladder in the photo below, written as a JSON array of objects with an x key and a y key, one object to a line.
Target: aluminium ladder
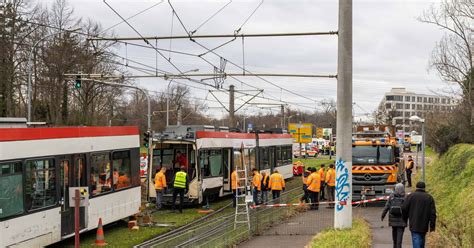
[{"x": 242, "y": 206}]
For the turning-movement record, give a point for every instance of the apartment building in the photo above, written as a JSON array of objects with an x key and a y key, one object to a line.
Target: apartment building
[{"x": 399, "y": 104}]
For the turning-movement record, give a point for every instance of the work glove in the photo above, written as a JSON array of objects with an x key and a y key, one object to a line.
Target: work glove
[{"x": 283, "y": 188}]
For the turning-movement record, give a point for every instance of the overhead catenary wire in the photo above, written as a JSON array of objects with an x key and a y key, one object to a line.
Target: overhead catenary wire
[
  {"x": 212, "y": 16},
  {"x": 250, "y": 16},
  {"x": 213, "y": 52},
  {"x": 129, "y": 18}
]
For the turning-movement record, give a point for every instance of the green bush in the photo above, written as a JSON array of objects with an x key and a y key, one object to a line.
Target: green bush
[
  {"x": 450, "y": 179},
  {"x": 358, "y": 236}
]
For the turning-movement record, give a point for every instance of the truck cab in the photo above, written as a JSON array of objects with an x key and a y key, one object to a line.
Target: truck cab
[{"x": 375, "y": 166}]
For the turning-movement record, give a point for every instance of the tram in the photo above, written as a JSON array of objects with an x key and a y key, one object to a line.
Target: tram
[
  {"x": 210, "y": 155},
  {"x": 37, "y": 167}
]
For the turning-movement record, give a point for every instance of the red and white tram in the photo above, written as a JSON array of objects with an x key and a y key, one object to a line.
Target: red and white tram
[
  {"x": 37, "y": 167},
  {"x": 210, "y": 157}
]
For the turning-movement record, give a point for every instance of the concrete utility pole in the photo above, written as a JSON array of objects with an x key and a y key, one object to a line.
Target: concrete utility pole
[
  {"x": 282, "y": 117},
  {"x": 343, "y": 208},
  {"x": 231, "y": 106}
]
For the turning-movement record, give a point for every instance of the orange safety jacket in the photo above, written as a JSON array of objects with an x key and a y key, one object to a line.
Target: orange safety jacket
[
  {"x": 314, "y": 182},
  {"x": 276, "y": 182},
  {"x": 331, "y": 177},
  {"x": 233, "y": 179},
  {"x": 123, "y": 181},
  {"x": 160, "y": 180},
  {"x": 257, "y": 181},
  {"x": 321, "y": 174}
]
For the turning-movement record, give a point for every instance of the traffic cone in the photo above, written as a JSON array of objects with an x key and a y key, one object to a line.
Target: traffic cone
[{"x": 99, "y": 240}]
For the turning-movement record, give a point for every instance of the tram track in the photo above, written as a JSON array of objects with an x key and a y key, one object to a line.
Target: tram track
[{"x": 200, "y": 229}]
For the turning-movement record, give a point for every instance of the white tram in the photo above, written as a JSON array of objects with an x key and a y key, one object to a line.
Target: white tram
[
  {"x": 211, "y": 155},
  {"x": 38, "y": 165}
]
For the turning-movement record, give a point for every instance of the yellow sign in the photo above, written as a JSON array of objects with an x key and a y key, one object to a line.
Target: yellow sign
[
  {"x": 301, "y": 132},
  {"x": 319, "y": 132}
]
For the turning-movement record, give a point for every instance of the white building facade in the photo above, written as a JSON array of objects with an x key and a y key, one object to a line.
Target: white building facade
[{"x": 399, "y": 104}]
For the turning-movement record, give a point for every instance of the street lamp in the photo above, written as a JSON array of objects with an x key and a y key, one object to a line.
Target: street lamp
[
  {"x": 415, "y": 118},
  {"x": 299, "y": 125},
  {"x": 30, "y": 64},
  {"x": 168, "y": 97}
]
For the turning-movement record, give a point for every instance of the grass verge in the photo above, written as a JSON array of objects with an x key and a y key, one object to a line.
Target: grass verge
[
  {"x": 450, "y": 179},
  {"x": 118, "y": 234},
  {"x": 358, "y": 236},
  {"x": 316, "y": 162}
]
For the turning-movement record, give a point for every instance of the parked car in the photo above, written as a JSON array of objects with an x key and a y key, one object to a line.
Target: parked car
[{"x": 407, "y": 146}]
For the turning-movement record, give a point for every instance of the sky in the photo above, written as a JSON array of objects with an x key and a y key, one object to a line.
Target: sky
[{"x": 391, "y": 48}]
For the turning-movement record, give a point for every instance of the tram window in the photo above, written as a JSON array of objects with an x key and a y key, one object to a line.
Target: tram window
[
  {"x": 264, "y": 162},
  {"x": 211, "y": 162},
  {"x": 11, "y": 189},
  {"x": 121, "y": 169},
  {"x": 279, "y": 154},
  {"x": 100, "y": 174},
  {"x": 250, "y": 158},
  {"x": 40, "y": 187}
]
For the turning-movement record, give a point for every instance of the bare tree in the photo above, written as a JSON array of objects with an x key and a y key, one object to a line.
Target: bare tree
[{"x": 453, "y": 55}]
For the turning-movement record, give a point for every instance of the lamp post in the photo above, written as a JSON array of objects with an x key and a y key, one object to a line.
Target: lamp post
[
  {"x": 30, "y": 54},
  {"x": 299, "y": 125},
  {"x": 415, "y": 118},
  {"x": 168, "y": 98}
]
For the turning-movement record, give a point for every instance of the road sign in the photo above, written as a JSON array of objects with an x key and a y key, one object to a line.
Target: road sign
[
  {"x": 301, "y": 132},
  {"x": 319, "y": 132},
  {"x": 84, "y": 196}
]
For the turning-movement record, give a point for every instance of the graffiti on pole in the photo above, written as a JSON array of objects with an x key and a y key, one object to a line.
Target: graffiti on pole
[{"x": 343, "y": 187}]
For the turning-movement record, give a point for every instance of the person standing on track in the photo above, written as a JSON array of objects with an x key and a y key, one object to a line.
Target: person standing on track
[
  {"x": 264, "y": 186},
  {"x": 257, "y": 185},
  {"x": 180, "y": 186},
  {"x": 420, "y": 210},
  {"x": 409, "y": 170},
  {"x": 160, "y": 186},
  {"x": 276, "y": 184},
  {"x": 322, "y": 176},
  {"x": 395, "y": 218},
  {"x": 331, "y": 184},
  {"x": 314, "y": 186},
  {"x": 304, "y": 178}
]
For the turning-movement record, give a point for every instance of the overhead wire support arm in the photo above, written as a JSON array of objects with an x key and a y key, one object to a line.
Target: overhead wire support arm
[
  {"x": 248, "y": 101},
  {"x": 219, "y": 101},
  {"x": 214, "y": 36},
  {"x": 186, "y": 76}
]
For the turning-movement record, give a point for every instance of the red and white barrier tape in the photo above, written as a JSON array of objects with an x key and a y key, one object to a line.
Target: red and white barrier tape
[{"x": 320, "y": 203}]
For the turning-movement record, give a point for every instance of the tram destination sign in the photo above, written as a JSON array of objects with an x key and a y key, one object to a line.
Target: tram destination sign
[{"x": 83, "y": 196}]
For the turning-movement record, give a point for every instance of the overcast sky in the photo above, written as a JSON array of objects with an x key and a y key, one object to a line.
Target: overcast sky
[{"x": 390, "y": 47}]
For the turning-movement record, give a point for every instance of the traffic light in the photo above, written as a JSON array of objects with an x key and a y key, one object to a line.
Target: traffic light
[
  {"x": 78, "y": 82},
  {"x": 146, "y": 138}
]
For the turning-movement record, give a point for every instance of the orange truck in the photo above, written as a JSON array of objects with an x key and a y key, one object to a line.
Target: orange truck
[{"x": 375, "y": 164}]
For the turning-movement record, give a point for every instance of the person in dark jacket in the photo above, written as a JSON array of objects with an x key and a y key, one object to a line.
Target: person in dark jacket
[
  {"x": 420, "y": 210},
  {"x": 395, "y": 217}
]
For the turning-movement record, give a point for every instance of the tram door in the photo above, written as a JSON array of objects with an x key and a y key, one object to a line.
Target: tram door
[
  {"x": 73, "y": 174},
  {"x": 228, "y": 169}
]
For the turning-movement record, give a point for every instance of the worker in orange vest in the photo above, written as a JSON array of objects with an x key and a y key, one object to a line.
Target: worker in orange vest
[
  {"x": 256, "y": 185},
  {"x": 234, "y": 184},
  {"x": 331, "y": 184},
  {"x": 323, "y": 177},
  {"x": 314, "y": 186},
  {"x": 160, "y": 186},
  {"x": 264, "y": 186},
  {"x": 123, "y": 181},
  {"x": 304, "y": 178},
  {"x": 276, "y": 184}
]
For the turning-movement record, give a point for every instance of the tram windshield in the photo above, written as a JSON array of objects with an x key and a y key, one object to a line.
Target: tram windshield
[{"x": 173, "y": 157}]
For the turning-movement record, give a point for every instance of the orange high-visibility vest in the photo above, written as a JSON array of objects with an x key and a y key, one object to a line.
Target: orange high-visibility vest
[
  {"x": 321, "y": 174},
  {"x": 160, "y": 180},
  {"x": 314, "y": 182},
  {"x": 233, "y": 178},
  {"x": 276, "y": 182},
  {"x": 257, "y": 181},
  {"x": 331, "y": 177}
]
